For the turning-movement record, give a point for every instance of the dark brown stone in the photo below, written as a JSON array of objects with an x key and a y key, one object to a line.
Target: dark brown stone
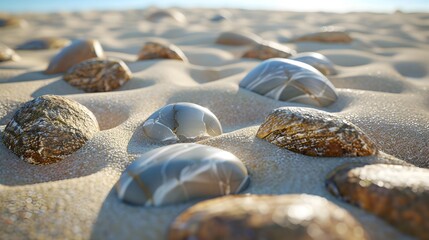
[
  {"x": 255, "y": 217},
  {"x": 397, "y": 194}
]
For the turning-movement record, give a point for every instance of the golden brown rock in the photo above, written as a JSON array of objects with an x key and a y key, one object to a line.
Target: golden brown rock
[
  {"x": 329, "y": 34},
  {"x": 7, "y": 54},
  {"x": 11, "y": 21},
  {"x": 159, "y": 50},
  {"x": 238, "y": 38},
  {"x": 163, "y": 14},
  {"x": 44, "y": 43},
  {"x": 268, "y": 50},
  {"x": 77, "y": 52},
  {"x": 98, "y": 75},
  {"x": 265, "y": 217},
  {"x": 397, "y": 194},
  {"x": 315, "y": 133},
  {"x": 48, "y": 128}
]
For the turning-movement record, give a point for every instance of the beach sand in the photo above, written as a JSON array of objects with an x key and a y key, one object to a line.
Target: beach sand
[{"x": 382, "y": 81}]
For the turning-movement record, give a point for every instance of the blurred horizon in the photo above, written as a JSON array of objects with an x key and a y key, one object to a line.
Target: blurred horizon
[{"x": 21, "y": 6}]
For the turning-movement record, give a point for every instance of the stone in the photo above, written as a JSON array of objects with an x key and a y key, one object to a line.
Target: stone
[
  {"x": 7, "y": 54},
  {"x": 328, "y": 34},
  {"x": 181, "y": 172},
  {"x": 218, "y": 17},
  {"x": 181, "y": 122},
  {"x": 44, "y": 43},
  {"x": 12, "y": 21},
  {"x": 49, "y": 128},
  {"x": 315, "y": 133},
  {"x": 238, "y": 38},
  {"x": 290, "y": 80},
  {"x": 316, "y": 60},
  {"x": 160, "y": 50},
  {"x": 98, "y": 75},
  {"x": 268, "y": 50},
  {"x": 74, "y": 53},
  {"x": 167, "y": 14},
  {"x": 397, "y": 194},
  {"x": 276, "y": 217}
]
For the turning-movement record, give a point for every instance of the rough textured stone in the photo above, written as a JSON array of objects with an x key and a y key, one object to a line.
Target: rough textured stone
[
  {"x": 329, "y": 34},
  {"x": 98, "y": 75},
  {"x": 159, "y": 50},
  {"x": 44, "y": 43},
  {"x": 181, "y": 172},
  {"x": 315, "y": 133},
  {"x": 76, "y": 52},
  {"x": 48, "y": 128},
  {"x": 238, "y": 38},
  {"x": 254, "y": 217},
  {"x": 268, "y": 50},
  {"x": 397, "y": 194}
]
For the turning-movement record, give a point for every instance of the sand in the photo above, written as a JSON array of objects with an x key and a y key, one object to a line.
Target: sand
[{"x": 383, "y": 86}]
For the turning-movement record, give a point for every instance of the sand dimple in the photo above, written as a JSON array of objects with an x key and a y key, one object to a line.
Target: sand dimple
[{"x": 376, "y": 85}]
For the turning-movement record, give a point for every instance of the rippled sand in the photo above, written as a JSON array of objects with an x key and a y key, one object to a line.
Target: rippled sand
[{"x": 383, "y": 86}]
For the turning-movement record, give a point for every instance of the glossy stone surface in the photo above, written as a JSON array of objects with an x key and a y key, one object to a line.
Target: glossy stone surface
[
  {"x": 98, "y": 75},
  {"x": 7, "y": 54},
  {"x": 289, "y": 80},
  {"x": 316, "y": 60},
  {"x": 238, "y": 38},
  {"x": 181, "y": 122},
  {"x": 48, "y": 128},
  {"x": 268, "y": 50},
  {"x": 315, "y": 133},
  {"x": 160, "y": 50},
  {"x": 76, "y": 52},
  {"x": 181, "y": 172},
  {"x": 397, "y": 194},
  {"x": 44, "y": 43},
  {"x": 277, "y": 217},
  {"x": 328, "y": 34},
  {"x": 166, "y": 14}
]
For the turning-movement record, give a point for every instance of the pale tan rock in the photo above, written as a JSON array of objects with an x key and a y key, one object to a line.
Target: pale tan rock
[
  {"x": 161, "y": 50},
  {"x": 77, "y": 52},
  {"x": 268, "y": 50},
  {"x": 238, "y": 38}
]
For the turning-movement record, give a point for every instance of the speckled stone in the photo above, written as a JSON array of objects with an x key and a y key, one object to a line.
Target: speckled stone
[
  {"x": 159, "y": 50},
  {"x": 7, "y": 54},
  {"x": 328, "y": 34},
  {"x": 76, "y": 52},
  {"x": 397, "y": 194},
  {"x": 254, "y": 217},
  {"x": 315, "y": 133},
  {"x": 290, "y": 80},
  {"x": 316, "y": 60},
  {"x": 11, "y": 21},
  {"x": 181, "y": 122},
  {"x": 44, "y": 43},
  {"x": 238, "y": 38},
  {"x": 170, "y": 14},
  {"x": 268, "y": 50},
  {"x": 181, "y": 172},
  {"x": 98, "y": 75},
  {"x": 48, "y": 128}
]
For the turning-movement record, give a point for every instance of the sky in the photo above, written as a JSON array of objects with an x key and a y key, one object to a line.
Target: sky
[{"x": 290, "y": 5}]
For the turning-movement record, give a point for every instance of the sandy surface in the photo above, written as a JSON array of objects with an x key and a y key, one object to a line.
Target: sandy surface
[{"x": 383, "y": 86}]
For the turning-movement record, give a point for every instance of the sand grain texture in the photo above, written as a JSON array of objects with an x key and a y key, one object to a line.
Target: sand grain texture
[{"x": 382, "y": 82}]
